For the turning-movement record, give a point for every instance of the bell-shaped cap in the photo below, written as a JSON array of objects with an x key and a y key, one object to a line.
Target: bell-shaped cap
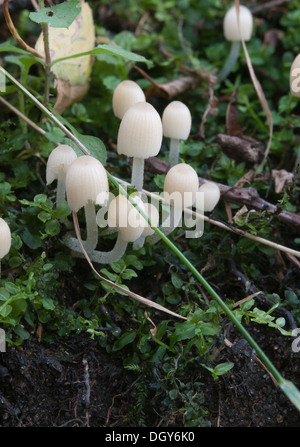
[
  {"x": 86, "y": 179},
  {"x": 181, "y": 185},
  {"x": 5, "y": 238},
  {"x": 211, "y": 195},
  {"x": 140, "y": 132},
  {"x": 176, "y": 121},
  {"x": 58, "y": 162},
  {"x": 230, "y": 24},
  {"x": 126, "y": 94}
]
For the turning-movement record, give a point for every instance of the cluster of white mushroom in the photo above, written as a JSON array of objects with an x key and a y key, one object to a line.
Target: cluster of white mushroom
[{"x": 83, "y": 180}]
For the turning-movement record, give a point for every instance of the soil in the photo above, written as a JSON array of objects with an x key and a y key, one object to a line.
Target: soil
[{"x": 74, "y": 383}]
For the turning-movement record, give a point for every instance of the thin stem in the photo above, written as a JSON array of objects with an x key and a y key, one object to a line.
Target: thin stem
[
  {"x": 91, "y": 226},
  {"x": 231, "y": 60},
  {"x": 45, "y": 30},
  {"x": 15, "y": 33},
  {"x": 174, "y": 151},
  {"x": 137, "y": 173},
  {"x": 22, "y": 116},
  {"x": 44, "y": 109},
  {"x": 100, "y": 257}
]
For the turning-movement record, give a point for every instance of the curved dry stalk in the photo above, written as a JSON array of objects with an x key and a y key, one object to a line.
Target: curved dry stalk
[
  {"x": 15, "y": 33},
  {"x": 133, "y": 295}
]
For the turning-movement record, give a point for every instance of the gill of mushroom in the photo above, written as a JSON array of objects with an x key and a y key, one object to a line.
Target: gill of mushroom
[
  {"x": 5, "y": 240},
  {"x": 125, "y": 95},
  {"x": 177, "y": 122},
  {"x": 232, "y": 34},
  {"x": 140, "y": 136},
  {"x": 58, "y": 162},
  {"x": 180, "y": 188},
  {"x": 86, "y": 186}
]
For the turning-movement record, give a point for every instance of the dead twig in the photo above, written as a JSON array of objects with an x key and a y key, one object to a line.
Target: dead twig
[
  {"x": 237, "y": 195},
  {"x": 15, "y": 33}
]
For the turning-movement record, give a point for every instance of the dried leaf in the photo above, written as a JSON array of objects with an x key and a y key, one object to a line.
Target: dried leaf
[
  {"x": 72, "y": 76},
  {"x": 281, "y": 179}
]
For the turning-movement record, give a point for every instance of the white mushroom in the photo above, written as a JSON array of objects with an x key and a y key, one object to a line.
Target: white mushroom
[
  {"x": 125, "y": 95},
  {"x": 211, "y": 193},
  {"x": 180, "y": 189},
  {"x": 177, "y": 122},
  {"x": 5, "y": 239},
  {"x": 140, "y": 136},
  {"x": 130, "y": 224},
  {"x": 232, "y": 34},
  {"x": 86, "y": 186},
  {"x": 57, "y": 164}
]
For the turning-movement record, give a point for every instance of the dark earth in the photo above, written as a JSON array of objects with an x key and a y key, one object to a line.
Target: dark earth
[{"x": 76, "y": 383}]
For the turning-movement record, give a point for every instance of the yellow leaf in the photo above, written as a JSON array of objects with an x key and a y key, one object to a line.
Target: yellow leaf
[{"x": 71, "y": 76}]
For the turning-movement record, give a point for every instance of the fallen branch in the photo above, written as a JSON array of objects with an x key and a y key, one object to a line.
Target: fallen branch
[{"x": 239, "y": 196}]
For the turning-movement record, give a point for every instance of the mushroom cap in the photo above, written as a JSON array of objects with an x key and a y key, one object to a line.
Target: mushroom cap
[
  {"x": 181, "y": 185},
  {"x": 86, "y": 179},
  {"x": 176, "y": 120},
  {"x": 58, "y": 161},
  {"x": 125, "y": 95},
  {"x": 140, "y": 132},
  {"x": 5, "y": 238},
  {"x": 230, "y": 24},
  {"x": 211, "y": 195},
  {"x": 295, "y": 77},
  {"x": 123, "y": 215}
]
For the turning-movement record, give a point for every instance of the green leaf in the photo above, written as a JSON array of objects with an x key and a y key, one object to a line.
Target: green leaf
[
  {"x": 47, "y": 303},
  {"x": 93, "y": 144},
  {"x": 5, "y": 310},
  {"x": 52, "y": 227},
  {"x": 291, "y": 392},
  {"x": 108, "y": 49},
  {"x": 58, "y": 16},
  {"x": 124, "y": 340},
  {"x": 21, "y": 332}
]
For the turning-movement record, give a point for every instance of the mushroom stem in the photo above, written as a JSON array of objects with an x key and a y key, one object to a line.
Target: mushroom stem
[
  {"x": 113, "y": 255},
  {"x": 137, "y": 173},
  {"x": 100, "y": 257},
  {"x": 174, "y": 151},
  {"x": 91, "y": 226},
  {"x": 231, "y": 60}
]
